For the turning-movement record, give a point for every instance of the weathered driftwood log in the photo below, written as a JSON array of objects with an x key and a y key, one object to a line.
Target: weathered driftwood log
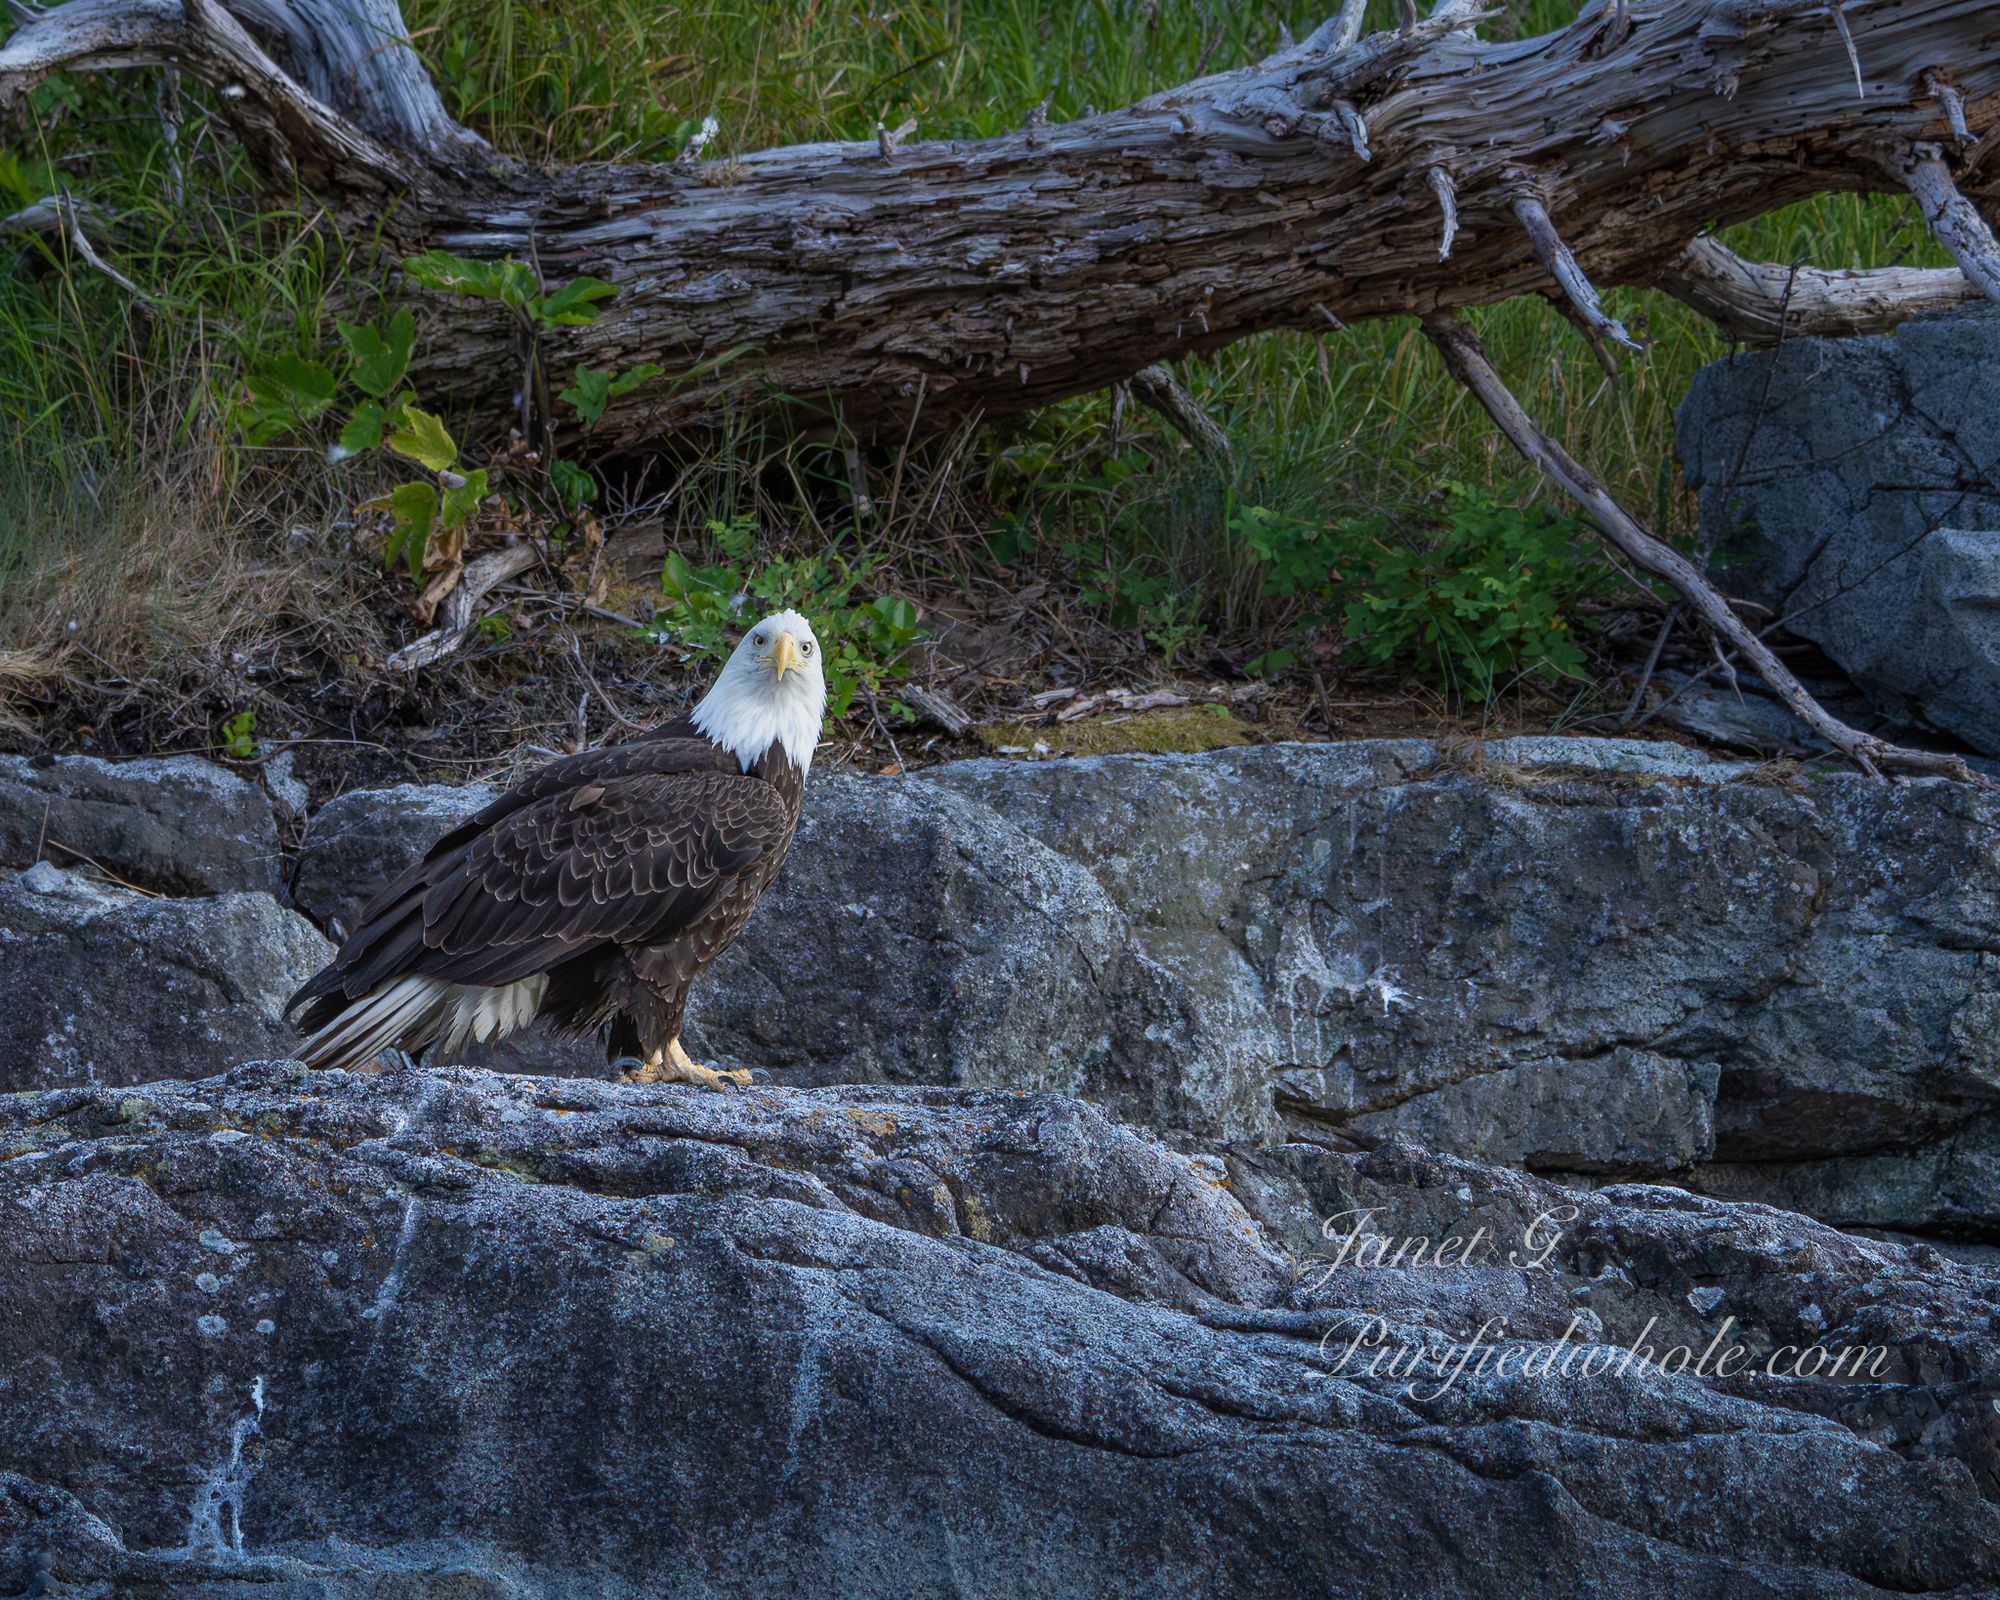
[
  {"x": 893, "y": 284},
  {"x": 1407, "y": 172}
]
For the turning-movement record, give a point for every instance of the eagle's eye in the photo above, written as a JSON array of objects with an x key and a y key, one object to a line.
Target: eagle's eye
[
  {"x": 759, "y": 640},
  {"x": 806, "y": 649}
]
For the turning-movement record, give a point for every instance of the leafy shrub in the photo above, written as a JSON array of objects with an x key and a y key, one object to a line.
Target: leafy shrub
[
  {"x": 1493, "y": 598},
  {"x": 287, "y": 393},
  {"x": 863, "y": 643}
]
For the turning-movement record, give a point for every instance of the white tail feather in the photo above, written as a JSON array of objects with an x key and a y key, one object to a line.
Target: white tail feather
[
  {"x": 398, "y": 1013},
  {"x": 411, "y": 1012},
  {"x": 491, "y": 1013}
]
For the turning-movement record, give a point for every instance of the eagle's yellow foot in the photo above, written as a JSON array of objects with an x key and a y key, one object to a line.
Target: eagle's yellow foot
[{"x": 673, "y": 1065}]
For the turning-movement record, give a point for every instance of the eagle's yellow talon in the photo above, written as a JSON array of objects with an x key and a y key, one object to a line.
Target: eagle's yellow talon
[{"x": 673, "y": 1065}]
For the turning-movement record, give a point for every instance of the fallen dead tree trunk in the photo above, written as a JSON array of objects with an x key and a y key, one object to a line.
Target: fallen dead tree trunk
[
  {"x": 1340, "y": 179},
  {"x": 889, "y": 283}
]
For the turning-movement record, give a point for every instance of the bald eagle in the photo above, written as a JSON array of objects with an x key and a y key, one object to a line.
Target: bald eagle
[{"x": 595, "y": 892}]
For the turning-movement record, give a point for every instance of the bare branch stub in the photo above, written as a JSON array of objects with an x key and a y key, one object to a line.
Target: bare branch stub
[
  {"x": 1953, "y": 104},
  {"x": 1561, "y": 265},
  {"x": 1355, "y": 126},
  {"x": 1466, "y": 359},
  {"x": 1340, "y": 31},
  {"x": 1157, "y": 387}
]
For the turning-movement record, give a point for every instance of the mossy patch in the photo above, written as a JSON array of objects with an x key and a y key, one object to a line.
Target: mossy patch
[{"x": 1178, "y": 730}]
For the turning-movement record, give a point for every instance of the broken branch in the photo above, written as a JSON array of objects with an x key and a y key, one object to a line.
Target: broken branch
[
  {"x": 1466, "y": 359},
  {"x": 1762, "y": 302},
  {"x": 1156, "y": 386},
  {"x": 1561, "y": 265},
  {"x": 1954, "y": 221}
]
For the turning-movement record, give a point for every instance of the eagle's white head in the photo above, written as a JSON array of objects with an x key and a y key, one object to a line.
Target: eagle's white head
[{"x": 772, "y": 690}]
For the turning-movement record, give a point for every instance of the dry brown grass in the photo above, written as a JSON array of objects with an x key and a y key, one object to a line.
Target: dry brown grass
[{"x": 137, "y": 576}]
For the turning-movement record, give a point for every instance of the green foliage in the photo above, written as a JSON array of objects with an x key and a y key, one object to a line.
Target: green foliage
[
  {"x": 513, "y": 283},
  {"x": 381, "y": 355},
  {"x": 282, "y": 396},
  {"x": 239, "y": 736},
  {"x": 412, "y": 509},
  {"x": 864, "y": 644},
  {"x": 424, "y": 440},
  {"x": 594, "y": 390},
  {"x": 575, "y": 488},
  {"x": 1492, "y": 598}
]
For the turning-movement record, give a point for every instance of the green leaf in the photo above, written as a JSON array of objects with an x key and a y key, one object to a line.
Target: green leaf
[
  {"x": 424, "y": 440},
  {"x": 285, "y": 393},
  {"x": 381, "y": 356},
  {"x": 450, "y": 274},
  {"x": 364, "y": 428},
  {"x": 589, "y": 395},
  {"x": 413, "y": 509},
  {"x": 460, "y": 502},
  {"x": 573, "y": 305},
  {"x": 238, "y": 736},
  {"x": 512, "y": 282},
  {"x": 307, "y": 384},
  {"x": 576, "y": 488},
  {"x": 632, "y": 377}
]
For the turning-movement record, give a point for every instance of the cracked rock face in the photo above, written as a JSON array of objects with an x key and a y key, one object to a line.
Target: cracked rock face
[
  {"x": 1576, "y": 955},
  {"x": 1853, "y": 485},
  {"x": 176, "y": 825},
  {"x": 462, "y": 1333},
  {"x": 102, "y": 985}
]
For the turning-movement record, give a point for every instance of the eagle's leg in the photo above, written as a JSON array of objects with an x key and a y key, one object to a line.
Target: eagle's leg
[{"x": 672, "y": 1065}]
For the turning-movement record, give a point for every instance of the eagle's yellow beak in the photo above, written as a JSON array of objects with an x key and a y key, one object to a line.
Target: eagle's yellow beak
[{"x": 784, "y": 655}]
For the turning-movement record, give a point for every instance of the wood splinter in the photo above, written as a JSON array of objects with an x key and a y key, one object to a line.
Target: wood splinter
[
  {"x": 1853, "y": 55},
  {"x": 889, "y": 140},
  {"x": 1447, "y": 193}
]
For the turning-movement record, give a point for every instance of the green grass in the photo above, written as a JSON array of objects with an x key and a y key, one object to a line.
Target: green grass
[{"x": 1325, "y": 429}]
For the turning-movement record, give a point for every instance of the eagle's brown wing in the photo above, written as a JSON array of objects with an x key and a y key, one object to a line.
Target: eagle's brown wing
[
  {"x": 677, "y": 747},
  {"x": 626, "y": 860}
]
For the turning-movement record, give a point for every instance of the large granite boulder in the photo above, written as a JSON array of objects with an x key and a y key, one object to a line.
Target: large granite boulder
[
  {"x": 1579, "y": 956},
  {"x": 103, "y": 985},
  {"x": 1853, "y": 486},
  {"x": 460, "y": 1334},
  {"x": 174, "y": 825},
  {"x": 1591, "y": 957}
]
